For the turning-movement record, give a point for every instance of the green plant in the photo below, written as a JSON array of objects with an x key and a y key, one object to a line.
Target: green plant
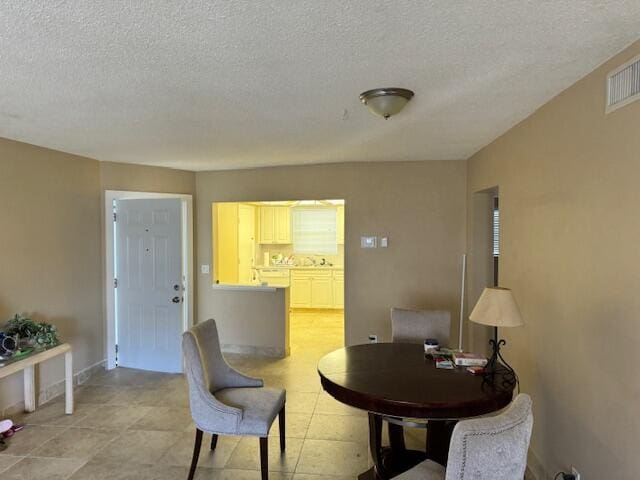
[
  {"x": 42, "y": 335},
  {"x": 47, "y": 335},
  {"x": 21, "y": 325}
]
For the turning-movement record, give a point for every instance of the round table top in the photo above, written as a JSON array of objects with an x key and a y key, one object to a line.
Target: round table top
[{"x": 397, "y": 379}]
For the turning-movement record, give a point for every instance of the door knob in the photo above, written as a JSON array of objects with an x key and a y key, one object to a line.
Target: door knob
[{"x": 175, "y": 299}]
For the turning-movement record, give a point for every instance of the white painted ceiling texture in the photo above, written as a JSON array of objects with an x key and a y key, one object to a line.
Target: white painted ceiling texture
[{"x": 217, "y": 84}]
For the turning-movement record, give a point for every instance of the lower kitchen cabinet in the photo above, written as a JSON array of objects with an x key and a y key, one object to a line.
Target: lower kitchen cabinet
[
  {"x": 315, "y": 288},
  {"x": 322, "y": 290},
  {"x": 300, "y": 291},
  {"x": 338, "y": 289}
]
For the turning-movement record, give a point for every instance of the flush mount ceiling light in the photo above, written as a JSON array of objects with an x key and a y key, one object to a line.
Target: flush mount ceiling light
[{"x": 386, "y": 101}]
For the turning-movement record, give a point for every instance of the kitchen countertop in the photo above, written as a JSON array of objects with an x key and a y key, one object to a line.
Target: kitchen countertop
[
  {"x": 248, "y": 288},
  {"x": 298, "y": 267}
]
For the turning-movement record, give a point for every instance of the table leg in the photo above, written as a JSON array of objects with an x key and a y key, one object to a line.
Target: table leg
[
  {"x": 396, "y": 437},
  {"x": 375, "y": 447},
  {"x": 29, "y": 389},
  {"x": 68, "y": 383},
  {"x": 438, "y": 438},
  {"x": 388, "y": 462}
]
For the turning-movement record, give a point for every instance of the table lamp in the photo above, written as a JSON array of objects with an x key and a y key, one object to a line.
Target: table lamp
[{"x": 496, "y": 307}]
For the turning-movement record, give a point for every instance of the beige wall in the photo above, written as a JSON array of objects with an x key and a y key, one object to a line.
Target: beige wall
[
  {"x": 252, "y": 322},
  {"x": 51, "y": 243},
  {"x": 420, "y": 206},
  {"x": 568, "y": 179},
  {"x": 140, "y": 178},
  {"x": 50, "y": 252}
]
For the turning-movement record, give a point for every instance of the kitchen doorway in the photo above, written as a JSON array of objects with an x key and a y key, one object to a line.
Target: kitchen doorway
[{"x": 297, "y": 245}]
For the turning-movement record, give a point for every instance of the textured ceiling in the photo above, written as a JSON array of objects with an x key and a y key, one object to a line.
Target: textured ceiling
[{"x": 231, "y": 84}]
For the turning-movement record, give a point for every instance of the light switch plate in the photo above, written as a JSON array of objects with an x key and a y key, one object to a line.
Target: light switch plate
[
  {"x": 204, "y": 269},
  {"x": 368, "y": 242},
  {"x": 384, "y": 242}
]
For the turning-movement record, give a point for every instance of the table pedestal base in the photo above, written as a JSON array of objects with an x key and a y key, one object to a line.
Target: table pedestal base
[
  {"x": 393, "y": 464},
  {"x": 391, "y": 461}
]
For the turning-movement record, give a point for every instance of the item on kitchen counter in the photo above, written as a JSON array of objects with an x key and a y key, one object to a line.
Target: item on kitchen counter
[
  {"x": 430, "y": 345},
  {"x": 463, "y": 359}
]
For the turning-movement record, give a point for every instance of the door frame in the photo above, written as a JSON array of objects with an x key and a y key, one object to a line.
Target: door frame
[{"x": 187, "y": 261}]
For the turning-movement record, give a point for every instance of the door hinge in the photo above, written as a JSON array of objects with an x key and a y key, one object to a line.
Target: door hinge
[
  {"x": 115, "y": 283},
  {"x": 115, "y": 215},
  {"x": 116, "y": 348}
]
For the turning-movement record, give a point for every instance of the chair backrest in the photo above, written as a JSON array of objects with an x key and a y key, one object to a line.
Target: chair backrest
[
  {"x": 492, "y": 448},
  {"x": 414, "y": 326},
  {"x": 201, "y": 348}
]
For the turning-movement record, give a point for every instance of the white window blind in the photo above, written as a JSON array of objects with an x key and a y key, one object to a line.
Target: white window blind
[{"x": 314, "y": 230}]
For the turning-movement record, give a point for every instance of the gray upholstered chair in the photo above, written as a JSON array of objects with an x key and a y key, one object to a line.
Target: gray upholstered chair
[
  {"x": 224, "y": 401},
  {"x": 415, "y": 326},
  {"x": 487, "y": 448}
]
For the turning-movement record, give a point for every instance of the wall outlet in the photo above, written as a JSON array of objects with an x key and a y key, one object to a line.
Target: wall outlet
[
  {"x": 373, "y": 338},
  {"x": 575, "y": 473},
  {"x": 204, "y": 269}
]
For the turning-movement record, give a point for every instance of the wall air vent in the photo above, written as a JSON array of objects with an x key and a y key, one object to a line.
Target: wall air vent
[{"x": 623, "y": 85}]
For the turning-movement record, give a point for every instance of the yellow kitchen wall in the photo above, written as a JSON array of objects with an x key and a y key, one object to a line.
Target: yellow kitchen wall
[
  {"x": 420, "y": 206},
  {"x": 568, "y": 178},
  {"x": 50, "y": 253}
]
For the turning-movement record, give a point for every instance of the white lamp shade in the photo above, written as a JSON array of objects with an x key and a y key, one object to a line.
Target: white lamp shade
[{"x": 496, "y": 307}]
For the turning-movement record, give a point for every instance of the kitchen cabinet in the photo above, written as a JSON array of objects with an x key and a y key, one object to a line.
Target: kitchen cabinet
[
  {"x": 275, "y": 224},
  {"x": 317, "y": 288},
  {"x": 301, "y": 284},
  {"x": 282, "y": 224},
  {"x": 267, "y": 225},
  {"x": 340, "y": 223},
  {"x": 338, "y": 289},
  {"x": 322, "y": 290}
]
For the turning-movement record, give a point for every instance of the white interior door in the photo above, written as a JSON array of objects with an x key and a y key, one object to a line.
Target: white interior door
[{"x": 149, "y": 289}]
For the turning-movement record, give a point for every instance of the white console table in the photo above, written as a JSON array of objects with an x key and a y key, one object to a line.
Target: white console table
[{"x": 27, "y": 365}]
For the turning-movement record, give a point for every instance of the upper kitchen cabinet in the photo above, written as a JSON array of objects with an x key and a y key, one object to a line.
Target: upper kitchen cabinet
[{"x": 275, "y": 224}]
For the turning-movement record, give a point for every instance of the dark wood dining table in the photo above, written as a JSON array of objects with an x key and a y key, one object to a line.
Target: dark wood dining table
[{"x": 398, "y": 381}]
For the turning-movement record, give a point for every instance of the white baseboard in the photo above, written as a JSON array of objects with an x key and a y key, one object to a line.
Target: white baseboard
[
  {"x": 54, "y": 390},
  {"x": 269, "y": 352}
]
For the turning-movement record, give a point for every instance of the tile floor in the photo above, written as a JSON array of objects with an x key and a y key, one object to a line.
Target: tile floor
[{"x": 131, "y": 424}]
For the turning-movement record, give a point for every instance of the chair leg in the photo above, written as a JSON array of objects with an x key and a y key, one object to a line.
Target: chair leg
[
  {"x": 282, "y": 427},
  {"x": 264, "y": 457},
  {"x": 196, "y": 454},
  {"x": 214, "y": 441}
]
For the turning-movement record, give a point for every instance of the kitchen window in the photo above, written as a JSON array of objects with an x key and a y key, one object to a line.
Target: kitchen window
[{"x": 314, "y": 230}]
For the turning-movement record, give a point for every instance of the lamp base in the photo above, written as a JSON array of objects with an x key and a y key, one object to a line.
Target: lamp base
[{"x": 507, "y": 377}]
